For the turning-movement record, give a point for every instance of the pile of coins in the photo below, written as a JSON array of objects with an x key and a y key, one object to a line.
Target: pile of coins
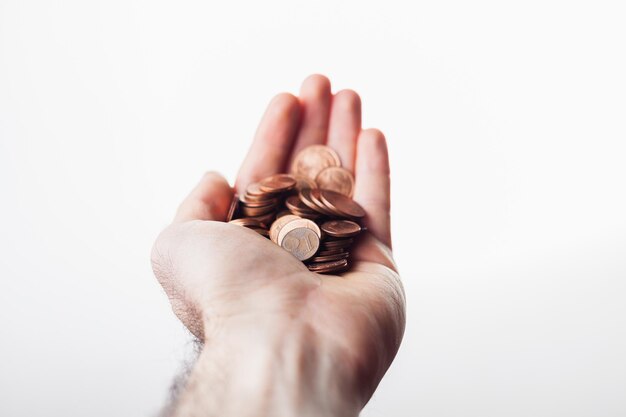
[{"x": 309, "y": 212}]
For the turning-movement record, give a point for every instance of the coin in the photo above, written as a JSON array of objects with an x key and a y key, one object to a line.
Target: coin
[
  {"x": 329, "y": 267},
  {"x": 307, "y": 198},
  {"x": 342, "y": 204},
  {"x": 304, "y": 182},
  {"x": 263, "y": 203},
  {"x": 317, "y": 199},
  {"x": 294, "y": 203},
  {"x": 248, "y": 222},
  {"x": 313, "y": 159},
  {"x": 257, "y": 211},
  {"x": 254, "y": 189},
  {"x": 302, "y": 242},
  {"x": 329, "y": 258},
  {"x": 340, "y": 228},
  {"x": 336, "y": 179},
  {"x": 232, "y": 210},
  {"x": 296, "y": 224},
  {"x": 277, "y": 183},
  {"x": 279, "y": 224}
]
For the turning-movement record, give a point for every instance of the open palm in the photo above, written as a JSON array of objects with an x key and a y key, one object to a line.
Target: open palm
[{"x": 224, "y": 278}]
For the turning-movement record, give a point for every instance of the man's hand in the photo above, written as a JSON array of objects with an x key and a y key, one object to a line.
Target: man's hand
[{"x": 278, "y": 339}]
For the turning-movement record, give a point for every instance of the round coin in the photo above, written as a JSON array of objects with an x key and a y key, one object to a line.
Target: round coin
[
  {"x": 277, "y": 183},
  {"x": 279, "y": 224},
  {"x": 342, "y": 204},
  {"x": 301, "y": 242},
  {"x": 254, "y": 188},
  {"x": 313, "y": 159},
  {"x": 304, "y": 182},
  {"x": 329, "y": 267},
  {"x": 307, "y": 198},
  {"x": 316, "y": 196},
  {"x": 340, "y": 228},
  {"x": 336, "y": 179},
  {"x": 297, "y": 224},
  {"x": 294, "y": 203}
]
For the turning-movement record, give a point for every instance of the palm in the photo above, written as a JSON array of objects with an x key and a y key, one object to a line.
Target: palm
[{"x": 215, "y": 269}]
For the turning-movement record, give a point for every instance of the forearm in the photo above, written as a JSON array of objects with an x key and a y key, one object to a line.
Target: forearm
[{"x": 262, "y": 371}]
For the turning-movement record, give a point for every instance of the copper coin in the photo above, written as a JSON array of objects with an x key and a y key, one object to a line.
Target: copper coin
[
  {"x": 313, "y": 159},
  {"x": 329, "y": 267},
  {"x": 336, "y": 179},
  {"x": 340, "y": 228},
  {"x": 303, "y": 182},
  {"x": 254, "y": 188},
  {"x": 259, "y": 198},
  {"x": 297, "y": 224},
  {"x": 307, "y": 199},
  {"x": 302, "y": 242},
  {"x": 279, "y": 224},
  {"x": 257, "y": 211},
  {"x": 247, "y": 222},
  {"x": 342, "y": 204},
  {"x": 232, "y": 210},
  {"x": 316, "y": 196},
  {"x": 294, "y": 203},
  {"x": 330, "y": 258},
  {"x": 277, "y": 183},
  {"x": 306, "y": 214},
  {"x": 263, "y": 203}
]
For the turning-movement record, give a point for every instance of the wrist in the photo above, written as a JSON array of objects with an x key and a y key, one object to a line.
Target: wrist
[{"x": 252, "y": 368}]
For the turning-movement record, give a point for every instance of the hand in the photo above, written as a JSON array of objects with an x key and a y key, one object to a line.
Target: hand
[{"x": 294, "y": 340}]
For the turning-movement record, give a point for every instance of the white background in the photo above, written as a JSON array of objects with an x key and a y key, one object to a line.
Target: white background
[{"x": 507, "y": 134}]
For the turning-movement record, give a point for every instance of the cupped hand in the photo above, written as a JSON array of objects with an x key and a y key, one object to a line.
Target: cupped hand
[{"x": 224, "y": 280}]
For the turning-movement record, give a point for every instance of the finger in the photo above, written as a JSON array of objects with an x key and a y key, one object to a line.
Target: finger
[
  {"x": 372, "y": 185},
  {"x": 344, "y": 126},
  {"x": 315, "y": 98},
  {"x": 210, "y": 200},
  {"x": 272, "y": 142}
]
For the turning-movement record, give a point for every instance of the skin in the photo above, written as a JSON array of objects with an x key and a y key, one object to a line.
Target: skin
[{"x": 279, "y": 340}]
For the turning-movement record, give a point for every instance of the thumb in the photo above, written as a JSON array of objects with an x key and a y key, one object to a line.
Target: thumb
[{"x": 209, "y": 200}]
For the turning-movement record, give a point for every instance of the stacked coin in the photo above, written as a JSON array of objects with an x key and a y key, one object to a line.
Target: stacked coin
[{"x": 309, "y": 213}]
